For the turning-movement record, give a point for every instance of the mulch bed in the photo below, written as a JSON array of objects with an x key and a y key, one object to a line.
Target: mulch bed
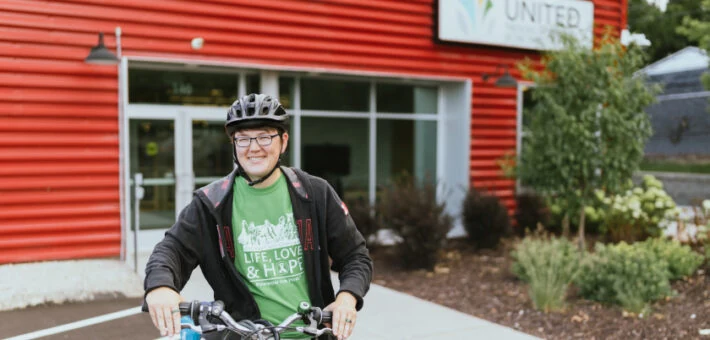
[{"x": 480, "y": 283}]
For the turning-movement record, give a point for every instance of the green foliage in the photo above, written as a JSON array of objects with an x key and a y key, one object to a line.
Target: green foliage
[
  {"x": 696, "y": 27},
  {"x": 661, "y": 27},
  {"x": 637, "y": 214},
  {"x": 623, "y": 274},
  {"x": 531, "y": 209},
  {"x": 410, "y": 209},
  {"x": 682, "y": 260},
  {"x": 588, "y": 128},
  {"x": 594, "y": 213},
  {"x": 365, "y": 218},
  {"x": 485, "y": 219},
  {"x": 548, "y": 265}
]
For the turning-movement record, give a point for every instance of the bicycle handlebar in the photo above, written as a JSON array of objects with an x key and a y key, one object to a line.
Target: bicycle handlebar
[{"x": 200, "y": 311}]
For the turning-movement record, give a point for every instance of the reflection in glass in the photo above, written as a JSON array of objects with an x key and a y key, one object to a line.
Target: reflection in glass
[
  {"x": 337, "y": 150},
  {"x": 334, "y": 95},
  {"x": 528, "y": 104},
  {"x": 152, "y": 150},
  {"x": 287, "y": 89},
  {"x": 182, "y": 87},
  {"x": 401, "y": 98},
  {"x": 405, "y": 146},
  {"x": 211, "y": 151},
  {"x": 253, "y": 83}
]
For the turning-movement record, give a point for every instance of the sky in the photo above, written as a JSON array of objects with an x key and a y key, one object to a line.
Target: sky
[{"x": 660, "y": 3}]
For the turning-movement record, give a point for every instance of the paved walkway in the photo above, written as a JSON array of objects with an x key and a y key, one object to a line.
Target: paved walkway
[{"x": 387, "y": 314}]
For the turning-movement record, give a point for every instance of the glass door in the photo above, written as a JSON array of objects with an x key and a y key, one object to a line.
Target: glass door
[
  {"x": 211, "y": 151},
  {"x": 152, "y": 154},
  {"x": 176, "y": 149}
]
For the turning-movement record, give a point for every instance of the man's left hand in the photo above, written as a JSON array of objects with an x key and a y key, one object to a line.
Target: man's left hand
[{"x": 344, "y": 315}]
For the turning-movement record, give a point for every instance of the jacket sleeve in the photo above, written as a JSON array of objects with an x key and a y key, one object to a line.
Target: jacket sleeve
[
  {"x": 176, "y": 256},
  {"x": 346, "y": 246}
]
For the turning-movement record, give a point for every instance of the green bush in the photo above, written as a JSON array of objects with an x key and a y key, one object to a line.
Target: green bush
[
  {"x": 411, "y": 210},
  {"x": 485, "y": 219},
  {"x": 530, "y": 209},
  {"x": 548, "y": 265},
  {"x": 682, "y": 260},
  {"x": 623, "y": 274},
  {"x": 365, "y": 218},
  {"x": 636, "y": 215}
]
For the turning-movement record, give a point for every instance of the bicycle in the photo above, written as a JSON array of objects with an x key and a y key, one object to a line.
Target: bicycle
[{"x": 211, "y": 317}]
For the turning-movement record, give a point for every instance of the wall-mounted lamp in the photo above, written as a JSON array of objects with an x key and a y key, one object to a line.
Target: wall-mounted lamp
[
  {"x": 103, "y": 56},
  {"x": 506, "y": 80}
]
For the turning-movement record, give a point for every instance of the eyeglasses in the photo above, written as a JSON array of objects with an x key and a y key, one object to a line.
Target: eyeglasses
[{"x": 263, "y": 140}]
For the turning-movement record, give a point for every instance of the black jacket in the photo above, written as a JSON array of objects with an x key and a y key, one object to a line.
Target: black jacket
[{"x": 202, "y": 236}]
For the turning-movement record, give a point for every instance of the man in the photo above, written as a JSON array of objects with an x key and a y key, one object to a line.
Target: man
[{"x": 263, "y": 236}]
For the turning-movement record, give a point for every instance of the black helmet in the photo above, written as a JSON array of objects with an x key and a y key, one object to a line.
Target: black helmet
[{"x": 256, "y": 110}]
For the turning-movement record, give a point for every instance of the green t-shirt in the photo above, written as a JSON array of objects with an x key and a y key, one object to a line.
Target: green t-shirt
[{"x": 269, "y": 254}]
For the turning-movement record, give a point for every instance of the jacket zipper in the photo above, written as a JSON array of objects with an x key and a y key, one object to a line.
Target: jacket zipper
[{"x": 241, "y": 285}]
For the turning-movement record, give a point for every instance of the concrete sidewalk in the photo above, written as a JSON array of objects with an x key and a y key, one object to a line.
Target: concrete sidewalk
[{"x": 387, "y": 314}]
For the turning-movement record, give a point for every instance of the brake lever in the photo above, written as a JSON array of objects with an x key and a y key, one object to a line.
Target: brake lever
[
  {"x": 314, "y": 331},
  {"x": 198, "y": 329}
]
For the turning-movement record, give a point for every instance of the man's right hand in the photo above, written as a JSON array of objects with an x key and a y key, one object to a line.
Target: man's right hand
[{"x": 163, "y": 304}]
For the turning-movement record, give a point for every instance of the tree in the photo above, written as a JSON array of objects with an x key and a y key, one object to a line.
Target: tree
[
  {"x": 588, "y": 128},
  {"x": 698, "y": 30},
  {"x": 660, "y": 27}
]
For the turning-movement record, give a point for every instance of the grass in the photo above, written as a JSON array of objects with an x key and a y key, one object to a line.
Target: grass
[{"x": 667, "y": 166}]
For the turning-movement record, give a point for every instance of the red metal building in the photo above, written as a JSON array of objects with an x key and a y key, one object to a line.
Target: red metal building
[{"x": 70, "y": 132}]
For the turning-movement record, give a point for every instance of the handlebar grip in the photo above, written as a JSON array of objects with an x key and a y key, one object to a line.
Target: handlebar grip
[
  {"x": 326, "y": 316},
  {"x": 185, "y": 308}
]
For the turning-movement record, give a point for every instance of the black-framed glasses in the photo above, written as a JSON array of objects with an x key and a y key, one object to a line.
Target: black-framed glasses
[{"x": 263, "y": 140}]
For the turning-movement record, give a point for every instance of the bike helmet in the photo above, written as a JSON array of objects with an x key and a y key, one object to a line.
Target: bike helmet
[{"x": 256, "y": 110}]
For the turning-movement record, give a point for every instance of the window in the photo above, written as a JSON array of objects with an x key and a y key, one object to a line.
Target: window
[
  {"x": 528, "y": 102},
  {"x": 336, "y": 149},
  {"x": 335, "y": 95},
  {"x": 400, "y": 98},
  {"x": 286, "y": 91},
  {"x": 405, "y": 146},
  {"x": 181, "y": 87},
  {"x": 336, "y": 142}
]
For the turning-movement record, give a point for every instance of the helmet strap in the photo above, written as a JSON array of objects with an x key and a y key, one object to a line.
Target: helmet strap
[{"x": 241, "y": 172}]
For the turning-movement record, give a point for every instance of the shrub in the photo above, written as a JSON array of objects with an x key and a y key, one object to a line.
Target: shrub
[
  {"x": 530, "y": 210},
  {"x": 364, "y": 215},
  {"x": 548, "y": 265},
  {"x": 636, "y": 215},
  {"x": 485, "y": 219},
  {"x": 412, "y": 212},
  {"x": 623, "y": 274},
  {"x": 682, "y": 260}
]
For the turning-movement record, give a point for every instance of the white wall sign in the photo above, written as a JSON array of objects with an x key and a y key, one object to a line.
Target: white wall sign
[{"x": 515, "y": 23}]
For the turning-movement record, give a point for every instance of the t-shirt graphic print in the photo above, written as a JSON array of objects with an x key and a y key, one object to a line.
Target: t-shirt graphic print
[
  {"x": 272, "y": 252},
  {"x": 269, "y": 255}
]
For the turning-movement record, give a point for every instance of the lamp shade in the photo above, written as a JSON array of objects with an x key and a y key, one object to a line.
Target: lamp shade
[
  {"x": 506, "y": 80},
  {"x": 100, "y": 54}
]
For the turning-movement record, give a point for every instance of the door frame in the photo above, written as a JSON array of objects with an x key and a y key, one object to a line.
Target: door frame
[{"x": 182, "y": 116}]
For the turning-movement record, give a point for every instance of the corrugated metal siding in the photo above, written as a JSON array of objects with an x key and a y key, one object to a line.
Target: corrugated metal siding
[
  {"x": 59, "y": 193},
  {"x": 42, "y": 44}
]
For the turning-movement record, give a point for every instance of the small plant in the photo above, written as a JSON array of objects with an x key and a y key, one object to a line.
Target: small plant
[
  {"x": 623, "y": 274},
  {"x": 485, "y": 219},
  {"x": 413, "y": 213},
  {"x": 364, "y": 216},
  {"x": 682, "y": 260},
  {"x": 530, "y": 210},
  {"x": 637, "y": 214},
  {"x": 548, "y": 265}
]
